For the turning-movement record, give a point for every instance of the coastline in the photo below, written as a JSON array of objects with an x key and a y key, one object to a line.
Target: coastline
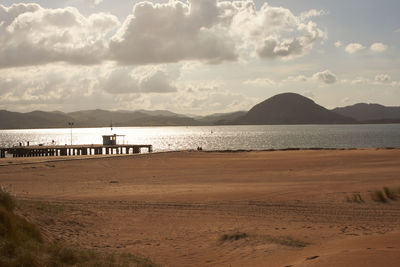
[{"x": 34, "y": 160}]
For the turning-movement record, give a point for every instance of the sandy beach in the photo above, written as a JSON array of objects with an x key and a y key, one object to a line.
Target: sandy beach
[{"x": 260, "y": 208}]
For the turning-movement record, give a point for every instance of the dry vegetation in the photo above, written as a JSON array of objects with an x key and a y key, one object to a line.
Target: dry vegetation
[
  {"x": 21, "y": 244},
  {"x": 385, "y": 195},
  {"x": 286, "y": 241}
]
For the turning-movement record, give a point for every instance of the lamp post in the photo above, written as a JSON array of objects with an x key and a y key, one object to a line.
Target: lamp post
[{"x": 71, "y": 124}]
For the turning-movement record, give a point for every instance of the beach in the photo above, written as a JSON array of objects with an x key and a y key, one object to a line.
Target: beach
[{"x": 249, "y": 208}]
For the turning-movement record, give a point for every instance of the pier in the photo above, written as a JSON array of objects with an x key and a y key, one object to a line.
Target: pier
[{"x": 73, "y": 150}]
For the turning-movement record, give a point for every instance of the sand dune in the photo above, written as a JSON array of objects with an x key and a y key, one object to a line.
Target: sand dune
[{"x": 294, "y": 207}]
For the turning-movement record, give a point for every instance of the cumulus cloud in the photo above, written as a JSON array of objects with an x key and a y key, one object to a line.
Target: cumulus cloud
[
  {"x": 379, "y": 80},
  {"x": 206, "y": 100},
  {"x": 325, "y": 76},
  {"x": 378, "y": 47},
  {"x": 338, "y": 44},
  {"x": 97, "y": 2},
  {"x": 383, "y": 78},
  {"x": 353, "y": 48},
  {"x": 172, "y": 32},
  {"x": 312, "y": 13},
  {"x": 298, "y": 78},
  {"x": 275, "y": 32},
  {"x": 32, "y": 35},
  {"x": 260, "y": 82},
  {"x": 25, "y": 87},
  {"x": 212, "y": 31},
  {"x": 63, "y": 86},
  {"x": 151, "y": 79},
  {"x": 208, "y": 31}
]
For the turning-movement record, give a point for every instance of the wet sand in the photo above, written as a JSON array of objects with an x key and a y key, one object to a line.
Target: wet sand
[{"x": 294, "y": 207}]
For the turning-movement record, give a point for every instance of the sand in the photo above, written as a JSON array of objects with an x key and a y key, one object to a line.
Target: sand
[{"x": 175, "y": 208}]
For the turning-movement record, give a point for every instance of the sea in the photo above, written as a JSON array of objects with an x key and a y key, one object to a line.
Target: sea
[{"x": 212, "y": 138}]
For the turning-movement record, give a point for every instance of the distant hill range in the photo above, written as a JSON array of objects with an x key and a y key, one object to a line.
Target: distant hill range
[
  {"x": 370, "y": 113},
  {"x": 287, "y": 108},
  {"x": 91, "y": 118}
]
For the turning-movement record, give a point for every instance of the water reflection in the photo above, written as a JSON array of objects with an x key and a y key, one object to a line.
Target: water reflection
[{"x": 220, "y": 137}]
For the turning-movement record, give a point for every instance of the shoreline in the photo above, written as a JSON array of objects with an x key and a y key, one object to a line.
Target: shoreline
[{"x": 33, "y": 160}]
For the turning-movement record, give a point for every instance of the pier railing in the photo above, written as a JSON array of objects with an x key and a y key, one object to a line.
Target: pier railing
[{"x": 73, "y": 150}]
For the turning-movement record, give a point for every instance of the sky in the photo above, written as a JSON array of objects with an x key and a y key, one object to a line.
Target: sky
[{"x": 196, "y": 57}]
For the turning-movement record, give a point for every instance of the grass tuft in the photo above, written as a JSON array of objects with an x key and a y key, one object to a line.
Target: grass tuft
[
  {"x": 6, "y": 201},
  {"x": 233, "y": 236},
  {"x": 21, "y": 244},
  {"x": 378, "y": 196},
  {"x": 286, "y": 241},
  {"x": 389, "y": 193},
  {"x": 355, "y": 198}
]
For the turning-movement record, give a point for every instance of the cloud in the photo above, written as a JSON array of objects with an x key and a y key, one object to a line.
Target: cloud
[
  {"x": 383, "y": 78},
  {"x": 43, "y": 86},
  {"x": 65, "y": 87},
  {"x": 274, "y": 32},
  {"x": 345, "y": 100},
  {"x": 202, "y": 100},
  {"x": 378, "y": 47},
  {"x": 158, "y": 82},
  {"x": 353, "y": 48},
  {"x": 298, "y": 78},
  {"x": 325, "y": 76},
  {"x": 312, "y": 13},
  {"x": 379, "y": 80},
  {"x": 260, "y": 82},
  {"x": 97, "y": 2},
  {"x": 32, "y": 35},
  {"x": 212, "y": 32},
  {"x": 151, "y": 79},
  {"x": 207, "y": 31},
  {"x": 173, "y": 32},
  {"x": 338, "y": 44}
]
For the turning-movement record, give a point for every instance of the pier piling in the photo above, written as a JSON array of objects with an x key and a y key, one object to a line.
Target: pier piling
[{"x": 74, "y": 150}]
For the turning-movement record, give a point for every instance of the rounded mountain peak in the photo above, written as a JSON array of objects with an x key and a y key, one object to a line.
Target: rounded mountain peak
[
  {"x": 291, "y": 108},
  {"x": 287, "y": 98}
]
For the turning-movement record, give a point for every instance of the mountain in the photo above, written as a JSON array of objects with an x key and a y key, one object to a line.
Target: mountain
[
  {"x": 221, "y": 118},
  {"x": 92, "y": 118},
  {"x": 291, "y": 108},
  {"x": 103, "y": 118},
  {"x": 161, "y": 113},
  {"x": 35, "y": 119},
  {"x": 370, "y": 112},
  {"x": 287, "y": 108}
]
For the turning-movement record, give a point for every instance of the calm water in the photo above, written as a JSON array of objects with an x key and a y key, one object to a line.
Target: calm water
[{"x": 220, "y": 137}]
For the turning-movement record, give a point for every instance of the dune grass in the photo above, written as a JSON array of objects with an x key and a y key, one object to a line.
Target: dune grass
[
  {"x": 286, "y": 241},
  {"x": 378, "y": 196},
  {"x": 21, "y": 244},
  {"x": 389, "y": 193},
  {"x": 355, "y": 198},
  {"x": 385, "y": 195},
  {"x": 232, "y": 236}
]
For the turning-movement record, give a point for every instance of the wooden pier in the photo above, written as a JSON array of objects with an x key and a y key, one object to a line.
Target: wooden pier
[{"x": 72, "y": 150}]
